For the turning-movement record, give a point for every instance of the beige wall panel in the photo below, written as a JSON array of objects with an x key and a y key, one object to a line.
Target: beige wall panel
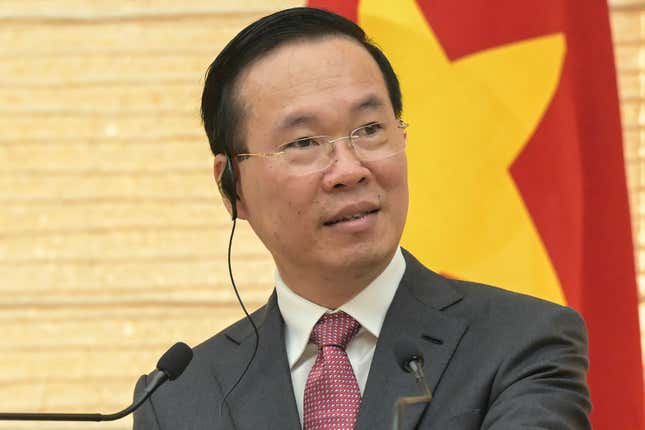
[
  {"x": 638, "y": 166},
  {"x": 203, "y": 33},
  {"x": 88, "y": 126},
  {"x": 172, "y": 272},
  {"x": 627, "y": 25},
  {"x": 32, "y": 218},
  {"x": 77, "y": 71},
  {"x": 102, "y": 99},
  {"x": 127, "y": 245},
  {"x": 629, "y": 86},
  {"x": 80, "y": 329},
  {"x": 123, "y": 7},
  {"x": 633, "y": 112},
  {"x": 629, "y": 5},
  {"x": 207, "y": 294},
  {"x": 629, "y": 57},
  {"x": 631, "y": 144},
  {"x": 89, "y": 157},
  {"x": 101, "y": 185}
]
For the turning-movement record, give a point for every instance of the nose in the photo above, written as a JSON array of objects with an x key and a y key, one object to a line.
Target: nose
[{"x": 346, "y": 170}]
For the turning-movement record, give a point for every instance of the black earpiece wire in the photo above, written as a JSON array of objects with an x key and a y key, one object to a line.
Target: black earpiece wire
[{"x": 255, "y": 328}]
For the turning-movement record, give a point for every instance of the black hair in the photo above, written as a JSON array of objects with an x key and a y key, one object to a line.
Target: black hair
[{"x": 221, "y": 112}]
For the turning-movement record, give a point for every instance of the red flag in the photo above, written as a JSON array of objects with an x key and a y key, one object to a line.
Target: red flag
[{"x": 525, "y": 94}]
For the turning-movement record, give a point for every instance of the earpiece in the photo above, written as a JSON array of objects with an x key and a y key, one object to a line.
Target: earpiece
[{"x": 227, "y": 186}]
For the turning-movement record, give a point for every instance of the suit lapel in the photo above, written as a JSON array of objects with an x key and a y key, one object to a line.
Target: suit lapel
[
  {"x": 415, "y": 313},
  {"x": 264, "y": 399}
]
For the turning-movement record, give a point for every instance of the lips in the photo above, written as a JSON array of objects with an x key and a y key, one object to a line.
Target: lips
[{"x": 352, "y": 212}]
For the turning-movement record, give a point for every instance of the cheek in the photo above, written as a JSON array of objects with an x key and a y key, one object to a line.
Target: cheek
[
  {"x": 402, "y": 183},
  {"x": 393, "y": 177},
  {"x": 299, "y": 194},
  {"x": 402, "y": 190},
  {"x": 276, "y": 200}
]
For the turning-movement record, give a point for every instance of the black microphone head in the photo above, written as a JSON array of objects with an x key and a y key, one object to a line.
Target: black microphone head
[
  {"x": 175, "y": 360},
  {"x": 405, "y": 351}
]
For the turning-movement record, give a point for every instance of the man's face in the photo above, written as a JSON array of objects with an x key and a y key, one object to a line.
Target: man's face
[{"x": 349, "y": 216}]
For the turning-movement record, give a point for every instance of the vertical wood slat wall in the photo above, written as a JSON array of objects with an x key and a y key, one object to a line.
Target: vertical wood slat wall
[
  {"x": 628, "y": 26},
  {"x": 112, "y": 235}
]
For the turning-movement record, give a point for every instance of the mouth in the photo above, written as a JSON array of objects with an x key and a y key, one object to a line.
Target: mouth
[{"x": 352, "y": 217}]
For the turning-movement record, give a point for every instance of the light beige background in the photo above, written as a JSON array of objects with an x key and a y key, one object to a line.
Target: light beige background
[{"x": 112, "y": 234}]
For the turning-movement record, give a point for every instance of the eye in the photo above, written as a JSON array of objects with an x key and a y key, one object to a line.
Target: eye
[
  {"x": 303, "y": 143},
  {"x": 369, "y": 129}
]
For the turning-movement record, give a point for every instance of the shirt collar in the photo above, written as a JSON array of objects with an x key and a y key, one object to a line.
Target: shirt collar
[{"x": 368, "y": 307}]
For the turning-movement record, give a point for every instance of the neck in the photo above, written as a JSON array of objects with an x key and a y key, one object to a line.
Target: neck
[{"x": 330, "y": 288}]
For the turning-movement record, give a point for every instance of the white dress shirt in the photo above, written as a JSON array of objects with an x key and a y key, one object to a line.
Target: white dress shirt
[{"x": 368, "y": 308}]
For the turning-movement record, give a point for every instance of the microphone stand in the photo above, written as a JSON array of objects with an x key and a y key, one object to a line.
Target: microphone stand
[
  {"x": 170, "y": 366},
  {"x": 399, "y": 408},
  {"x": 158, "y": 379},
  {"x": 402, "y": 402}
]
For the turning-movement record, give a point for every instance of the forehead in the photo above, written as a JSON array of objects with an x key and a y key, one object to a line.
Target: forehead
[{"x": 319, "y": 76}]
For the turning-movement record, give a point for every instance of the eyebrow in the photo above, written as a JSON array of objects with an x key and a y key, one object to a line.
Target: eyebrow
[
  {"x": 371, "y": 102},
  {"x": 296, "y": 120}
]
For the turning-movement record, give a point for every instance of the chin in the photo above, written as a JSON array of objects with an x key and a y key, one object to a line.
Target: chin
[{"x": 363, "y": 256}]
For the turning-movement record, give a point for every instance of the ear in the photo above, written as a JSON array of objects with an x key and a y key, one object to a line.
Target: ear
[{"x": 219, "y": 169}]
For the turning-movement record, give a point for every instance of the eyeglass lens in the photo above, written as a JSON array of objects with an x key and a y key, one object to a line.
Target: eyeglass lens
[{"x": 371, "y": 142}]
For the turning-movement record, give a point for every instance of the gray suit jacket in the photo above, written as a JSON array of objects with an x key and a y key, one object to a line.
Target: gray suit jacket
[{"x": 493, "y": 359}]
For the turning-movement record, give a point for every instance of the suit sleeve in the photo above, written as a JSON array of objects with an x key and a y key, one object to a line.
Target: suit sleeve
[
  {"x": 541, "y": 384},
  {"x": 144, "y": 417}
]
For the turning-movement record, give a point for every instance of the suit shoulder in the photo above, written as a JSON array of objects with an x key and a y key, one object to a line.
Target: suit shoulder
[
  {"x": 230, "y": 336},
  {"x": 477, "y": 302},
  {"x": 431, "y": 286},
  {"x": 514, "y": 312},
  {"x": 484, "y": 294},
  {"x": 221, "y": 351}
]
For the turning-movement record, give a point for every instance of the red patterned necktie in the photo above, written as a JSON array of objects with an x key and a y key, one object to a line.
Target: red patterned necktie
[{"x": 332, "y": 396}]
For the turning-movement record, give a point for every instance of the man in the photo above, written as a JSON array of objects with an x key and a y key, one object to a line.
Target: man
[{"x": 303, "y": 115}]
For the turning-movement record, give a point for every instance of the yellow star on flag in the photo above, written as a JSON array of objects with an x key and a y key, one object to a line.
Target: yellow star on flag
[{"x": 469, "y": 120}]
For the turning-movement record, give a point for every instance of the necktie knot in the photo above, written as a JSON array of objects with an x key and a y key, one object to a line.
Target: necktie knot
[{"x": 335, "y": 329}]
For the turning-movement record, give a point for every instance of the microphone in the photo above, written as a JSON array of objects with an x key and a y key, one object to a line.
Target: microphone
[
  {"x": 170, "y": 366},
  {"x": 410, "y": 360}
]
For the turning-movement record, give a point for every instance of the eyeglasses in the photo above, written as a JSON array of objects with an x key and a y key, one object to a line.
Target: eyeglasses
[{"x": 371, "y": 142}]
